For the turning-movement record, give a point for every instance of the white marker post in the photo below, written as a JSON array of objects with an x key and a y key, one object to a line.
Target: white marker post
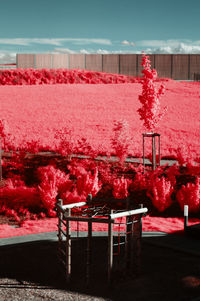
[{"x": 186, "y": 207}]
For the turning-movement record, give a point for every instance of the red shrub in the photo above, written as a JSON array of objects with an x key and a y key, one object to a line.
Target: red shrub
[
  {"x": 121, "y": 139},
  {"x": 190, "y": 195},
  {"x": 51, "y": 179},
  {"x": 120, "y": 188},
  {"x": 60, "y": 76},
  {"x": 88, "y": 184},
  {"x": 160, "y": 193}
]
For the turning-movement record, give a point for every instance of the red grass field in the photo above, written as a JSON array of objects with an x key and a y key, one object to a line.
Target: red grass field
[{"x": 89, "y": 111}]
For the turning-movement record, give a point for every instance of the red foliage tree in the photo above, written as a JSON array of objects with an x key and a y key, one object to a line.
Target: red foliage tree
[{"x": 150, "y": 111}]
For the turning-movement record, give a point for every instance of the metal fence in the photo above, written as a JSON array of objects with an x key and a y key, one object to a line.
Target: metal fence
[{"x": 175, "y": 66}]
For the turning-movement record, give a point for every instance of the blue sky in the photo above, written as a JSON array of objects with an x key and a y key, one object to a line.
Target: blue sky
[{"x": 98, "y": 26}]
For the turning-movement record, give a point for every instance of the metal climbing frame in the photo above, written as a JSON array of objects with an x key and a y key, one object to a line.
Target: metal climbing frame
[
  {"x": 128, "y": 224},
  {"x": 153, "y": 136}
]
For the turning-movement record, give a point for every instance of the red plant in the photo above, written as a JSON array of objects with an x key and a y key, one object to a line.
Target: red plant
[
  {"x": 51, "y": 179},
  {"x": 88, "y": 184},
  {"x": 190, "y": 195},
  {"x": 121, "y": 139},
  {"x": 150, "y": 110},
  {"x": 120, "y": 188},
  {"x": 16, "y": 199},
  {"x": 160, "y": 193}
]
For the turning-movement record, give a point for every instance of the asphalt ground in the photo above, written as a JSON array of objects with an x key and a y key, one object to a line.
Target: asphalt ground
[{"x": 30, "y": 270}]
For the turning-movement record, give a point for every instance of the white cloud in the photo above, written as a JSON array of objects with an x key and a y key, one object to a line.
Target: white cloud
[
  {"x": 55, "y": 42},
  {"x": 179, "y": 49},
  {"x": 128, "y": 43},
  {"x": 92, "y": 51},
  {"x": 7, "y": 57},
  {"x": 170, "y": 46},
  {"x": 89, "y": 41},
  {"x": 63, "y": 50},
  {"x": 162, "y": 43},
  {"x": 104, "y": 51}
]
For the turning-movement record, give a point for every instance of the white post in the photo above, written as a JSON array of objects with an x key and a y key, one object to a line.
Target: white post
[{"x": 186, "y": 207}]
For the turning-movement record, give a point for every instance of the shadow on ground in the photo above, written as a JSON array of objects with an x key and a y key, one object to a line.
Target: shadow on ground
[{"x": 31, "y": 271}]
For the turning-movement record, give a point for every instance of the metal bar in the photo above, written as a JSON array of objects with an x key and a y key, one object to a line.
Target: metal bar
[
  {"x": 159, "y": 149},
  {"x": 137, "y": 235},
  {"x": 69, "y": 206},
  {"x": 154, "y": 152},
  {"x": 128, "y": 243},
  {"x": 62, "y": 251},
  {"x": 88, "y": 219},
  {"x": 64, "y": 223},
  {"x": 110, "y": 248},
  {"x": 132, "y": 242},
  {"x": 61, "y": 232},
  {"x": 143, "y": 152},
  {"x": 88, "y": 263},
  {"x": 127, "y": 213},
  {"x": 60, "y": 217},
  {"x": 68, "y": 248}
]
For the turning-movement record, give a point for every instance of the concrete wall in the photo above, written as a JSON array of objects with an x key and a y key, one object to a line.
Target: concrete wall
[{"x": 176, "y": 66}]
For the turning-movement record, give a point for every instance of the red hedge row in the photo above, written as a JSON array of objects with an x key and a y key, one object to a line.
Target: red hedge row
[{"x": 61, "y": 76}]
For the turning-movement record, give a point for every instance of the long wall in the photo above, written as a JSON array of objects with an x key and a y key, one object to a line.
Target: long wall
[{"x": 176, "y": 66}]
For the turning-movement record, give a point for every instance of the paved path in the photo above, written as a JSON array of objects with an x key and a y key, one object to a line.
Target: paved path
[
  {"x": 176, "y": 242},
  {"x": 29, "y": 270}
]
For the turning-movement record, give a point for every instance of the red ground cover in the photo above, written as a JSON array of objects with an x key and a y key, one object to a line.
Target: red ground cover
[
  {"x": 168, "y": 225},
  {"x": 89, "y": 111}
]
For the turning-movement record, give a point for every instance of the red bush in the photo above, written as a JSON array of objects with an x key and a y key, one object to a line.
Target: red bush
[
  {"x": 160, "y": 193},
  {"x": 60, "y": 76},
  {"x": 120, "y": 188},
  {"x": 190, "y": 195},
  {"x": 50, "y": 181}
]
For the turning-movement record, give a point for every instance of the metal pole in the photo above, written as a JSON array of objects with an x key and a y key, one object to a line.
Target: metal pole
[
  {"x": 88, "y": 263},
  {"x": 68, "y": 247},
  {"x": 185, "y": 216},
  {"x": 159, "y": 149},
  {"x": 143, "y": 152},
  {"x": 60, "y": 218},
  {"x": 110, "y": 248},
  {"x": 154, "y": 152}
]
